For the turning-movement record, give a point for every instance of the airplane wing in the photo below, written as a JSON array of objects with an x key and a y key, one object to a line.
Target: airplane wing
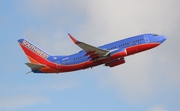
[{"x": 92, "y": 51}]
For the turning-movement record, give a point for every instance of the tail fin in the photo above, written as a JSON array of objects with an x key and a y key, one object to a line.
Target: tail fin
[{"x": 34, "y": 54}]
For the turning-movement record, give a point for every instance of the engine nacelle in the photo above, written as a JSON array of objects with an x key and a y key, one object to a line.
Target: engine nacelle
[{"x": 115, "y": 62}]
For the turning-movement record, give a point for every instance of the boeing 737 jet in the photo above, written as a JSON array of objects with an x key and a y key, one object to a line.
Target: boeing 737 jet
[{"x": 110, "y": 55}]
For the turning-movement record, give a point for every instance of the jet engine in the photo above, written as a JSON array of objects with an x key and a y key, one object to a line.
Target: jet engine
[{"x": 115, "y": 62}]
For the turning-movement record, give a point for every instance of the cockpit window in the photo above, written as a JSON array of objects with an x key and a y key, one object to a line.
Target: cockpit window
[{"x": 155, "y": 35}]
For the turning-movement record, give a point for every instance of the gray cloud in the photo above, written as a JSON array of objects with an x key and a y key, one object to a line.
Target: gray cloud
[{"x": 139, "y": 79}]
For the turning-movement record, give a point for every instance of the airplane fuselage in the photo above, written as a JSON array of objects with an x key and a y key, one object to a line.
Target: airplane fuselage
[{"x": 83, "y": 59}]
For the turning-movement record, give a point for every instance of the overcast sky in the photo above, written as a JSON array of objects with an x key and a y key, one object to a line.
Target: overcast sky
[{"x": 148, "y": 81}]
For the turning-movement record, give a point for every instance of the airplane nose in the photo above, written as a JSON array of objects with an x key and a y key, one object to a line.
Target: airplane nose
[{"x": 163, "y": 38}]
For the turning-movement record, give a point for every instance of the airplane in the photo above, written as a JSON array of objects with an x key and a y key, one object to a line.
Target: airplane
[{"x": 111, "y": 55}]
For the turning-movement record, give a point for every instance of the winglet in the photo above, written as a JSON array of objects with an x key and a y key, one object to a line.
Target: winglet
[{"x": 73, "y": 39}]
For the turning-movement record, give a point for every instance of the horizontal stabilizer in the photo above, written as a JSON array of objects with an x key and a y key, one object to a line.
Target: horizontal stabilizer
[{"x": 35, "y": 66}]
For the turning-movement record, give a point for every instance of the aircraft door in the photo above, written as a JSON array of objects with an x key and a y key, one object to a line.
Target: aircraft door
[
  {"x": 146, "y": 38},
  {"x": 58, "y": 66}
]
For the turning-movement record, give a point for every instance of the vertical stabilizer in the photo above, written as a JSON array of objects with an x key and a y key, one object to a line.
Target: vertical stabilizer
[{"x": 34, "y": 54}]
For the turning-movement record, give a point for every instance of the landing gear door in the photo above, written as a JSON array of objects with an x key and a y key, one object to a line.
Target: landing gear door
[
  {"x": 146, "y": 38},
  {"x": 58, "y": 66}
]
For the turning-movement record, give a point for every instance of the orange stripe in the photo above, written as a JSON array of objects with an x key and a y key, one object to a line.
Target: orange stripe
[{"x": 32, "y": 60}]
